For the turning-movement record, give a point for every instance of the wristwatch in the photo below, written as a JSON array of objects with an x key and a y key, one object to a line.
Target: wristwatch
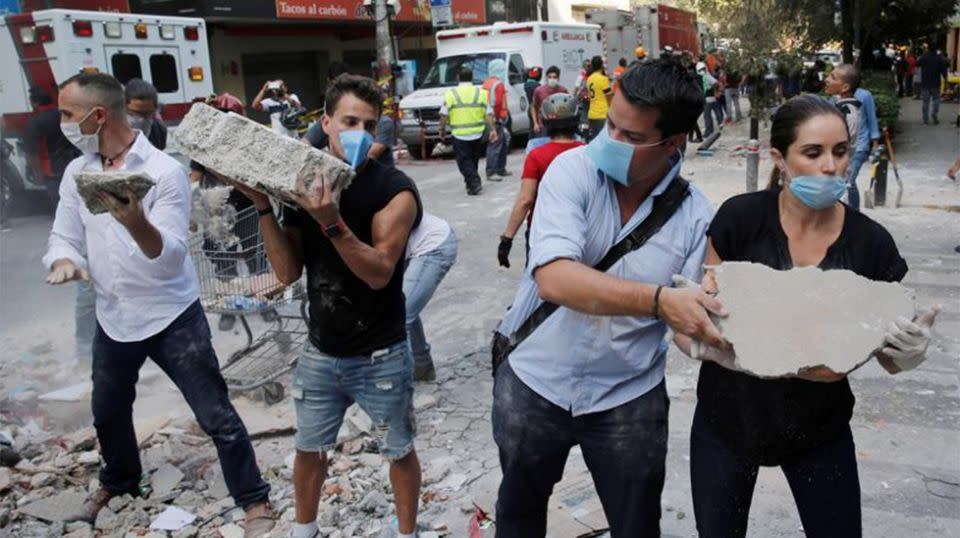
[{"x": 334, "y": 230}]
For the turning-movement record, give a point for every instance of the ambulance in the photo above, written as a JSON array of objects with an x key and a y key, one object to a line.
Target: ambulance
[
  {"x": 520, "y": 45},
  {"x": 43, "y": 48}
]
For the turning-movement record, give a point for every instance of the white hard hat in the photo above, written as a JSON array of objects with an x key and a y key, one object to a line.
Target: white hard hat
[{"x": 701, "y": 67}]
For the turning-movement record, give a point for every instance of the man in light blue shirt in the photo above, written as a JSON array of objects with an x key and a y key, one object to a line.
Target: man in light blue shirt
[
  {"x": 592, "y": 374},
  {"x": 867, "y": 135}
]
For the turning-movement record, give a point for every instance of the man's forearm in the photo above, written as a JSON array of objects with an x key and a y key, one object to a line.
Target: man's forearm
[
  {"x": 148, "y": 238},
  {"x": 519, "y": 212},
  {"x": 443, "y": 126},
  {"x": 491, "y": 123},
  {"x": 584, "y": 289},
  {"x": 367, "y": 263},
  {"x": 286, "y": 263}
]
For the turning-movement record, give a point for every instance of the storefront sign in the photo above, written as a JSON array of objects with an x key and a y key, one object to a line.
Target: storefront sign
[{"x": 464, "y": 11}]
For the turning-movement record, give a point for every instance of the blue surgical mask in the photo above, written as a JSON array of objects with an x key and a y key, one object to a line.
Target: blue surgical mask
[
  {"x": 356, "y": 144},
  {"x": 613, "y": 157},
  {"x": 818, "y": 192}
]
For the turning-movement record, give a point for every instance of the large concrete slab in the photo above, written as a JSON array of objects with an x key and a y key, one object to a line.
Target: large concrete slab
[
  {"x": 254, "y": 155},
  {"x": 57, "y": 507},
  {"x": 783, "y": 322}
]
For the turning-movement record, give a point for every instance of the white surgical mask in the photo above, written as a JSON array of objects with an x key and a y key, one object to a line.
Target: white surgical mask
[
  {"x": 139, "y": 122},
  {"x": 88, "y": 144},
  {"x": 552, "y": 82}
]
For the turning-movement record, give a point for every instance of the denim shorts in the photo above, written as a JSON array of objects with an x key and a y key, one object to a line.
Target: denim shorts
[{"x": 381, "y": 383}]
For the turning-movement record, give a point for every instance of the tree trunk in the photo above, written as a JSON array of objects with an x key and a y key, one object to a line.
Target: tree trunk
[{"x": 846, "y": 29}]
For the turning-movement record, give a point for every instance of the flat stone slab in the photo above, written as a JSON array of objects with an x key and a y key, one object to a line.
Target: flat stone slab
[
  {"x": 254, "y": 155},
  {"x": 57, "y": 507},
  {"x": 783, "y": 322},
  {"x": 90, "y": 183}
]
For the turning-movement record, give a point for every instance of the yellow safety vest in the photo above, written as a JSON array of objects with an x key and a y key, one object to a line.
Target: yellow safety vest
[{"x": 466, "y": 108}]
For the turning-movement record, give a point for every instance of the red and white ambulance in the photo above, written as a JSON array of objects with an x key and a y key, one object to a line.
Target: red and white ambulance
[{"x": 43, "y": 48}]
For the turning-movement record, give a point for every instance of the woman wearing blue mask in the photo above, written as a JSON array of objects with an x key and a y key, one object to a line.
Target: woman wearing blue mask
[{"x": 799, "y": 424}]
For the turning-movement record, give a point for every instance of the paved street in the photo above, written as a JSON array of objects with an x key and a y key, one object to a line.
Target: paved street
[{"x": 907, "y": 428}]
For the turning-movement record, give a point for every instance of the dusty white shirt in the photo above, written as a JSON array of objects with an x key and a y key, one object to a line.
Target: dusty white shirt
[
  {"x": 136, "y": 297},
  {"x": 431, "y": 232}
]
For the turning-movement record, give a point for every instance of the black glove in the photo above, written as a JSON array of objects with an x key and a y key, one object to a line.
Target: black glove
[{"x": 503, "y": 251}]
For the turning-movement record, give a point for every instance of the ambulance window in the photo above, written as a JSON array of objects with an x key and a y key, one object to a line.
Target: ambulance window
[
  {"x": 516, "y": 69},
  {"x": 163, "y": 71},
  {"x": 126, "y": 67}
]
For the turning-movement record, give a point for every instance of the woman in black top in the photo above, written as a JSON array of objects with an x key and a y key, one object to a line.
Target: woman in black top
[{"x": 800, "y": 424}]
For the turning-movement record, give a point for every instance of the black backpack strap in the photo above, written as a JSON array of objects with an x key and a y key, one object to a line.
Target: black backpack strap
[{"x": 664, "y": 206}]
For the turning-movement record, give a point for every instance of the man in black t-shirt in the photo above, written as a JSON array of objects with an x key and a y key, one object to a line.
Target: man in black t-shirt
[{"x": 357, "y": 348}]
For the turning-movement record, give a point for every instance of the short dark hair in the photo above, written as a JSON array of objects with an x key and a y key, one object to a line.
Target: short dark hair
[
  {"x": 363, "y": 88},
  {"x": 137, "y": 88},
  {"x": 596, "y": 64},
  {"x": 553, "y": 69},
  {"x": 786, "y": 121},
  {"x": 466, "y": 73},
  {"x": 623, "y": 62},
  {"x": 40, "y": 96},
  {"x": 102, "y": 88},
  {"x": 664, "y": 85},
  {"x": 849, "y": 74}
]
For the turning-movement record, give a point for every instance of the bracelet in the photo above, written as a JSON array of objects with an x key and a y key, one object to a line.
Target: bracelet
[
  {"x": 267, "y": 211},
  {"x": 656, "y": 302}
]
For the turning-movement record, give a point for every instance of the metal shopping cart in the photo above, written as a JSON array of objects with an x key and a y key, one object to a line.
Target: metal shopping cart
[{"x": 236, "y": 279}]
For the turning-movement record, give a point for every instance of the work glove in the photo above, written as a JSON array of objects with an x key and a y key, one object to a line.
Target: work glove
[
  {"x": 906, "y": 341},
  {"x": 503, "y": 251},
  {"x": 699, "y": 350}
]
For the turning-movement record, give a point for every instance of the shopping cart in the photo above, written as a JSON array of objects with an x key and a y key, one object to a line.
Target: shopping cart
[{"x": 236, "y": 279}]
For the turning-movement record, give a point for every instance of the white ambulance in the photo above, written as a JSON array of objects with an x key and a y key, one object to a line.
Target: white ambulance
[
  {"x": 43, "y": 48},
  {"x": 520, "y": 45}
]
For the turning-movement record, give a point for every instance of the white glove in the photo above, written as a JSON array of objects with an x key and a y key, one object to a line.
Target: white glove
[
  {"x": 699, "y": 350},
  {"x": 906, "y": 341}
]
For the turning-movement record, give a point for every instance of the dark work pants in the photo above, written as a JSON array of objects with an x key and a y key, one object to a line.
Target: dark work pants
[
  {"x": 468, "y": 153},
  {"x": 185, "y": 353},
  {"x": 625, "y": 449},
  {"x": 497, "y": 151},
  {"x": 824, "y": 483}
]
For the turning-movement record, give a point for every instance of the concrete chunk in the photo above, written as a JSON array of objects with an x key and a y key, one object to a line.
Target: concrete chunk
[
  {"x": 57, "y": 507},
  {"x": 254, "y": 155},
  {"x": 783, "y": 322},
  {"x": 165, "y": 479},
  {"x": 89, "y": 183}
]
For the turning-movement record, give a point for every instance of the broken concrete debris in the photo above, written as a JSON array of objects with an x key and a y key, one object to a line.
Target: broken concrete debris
[
  {"x": 843, "y": 315},
  {"x": 254, "y": 155},
  {"x": 214, "y": 217},
  {"x": 90, "y": 183}
]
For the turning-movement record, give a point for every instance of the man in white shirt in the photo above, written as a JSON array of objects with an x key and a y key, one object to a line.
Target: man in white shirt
[
  {"x": 147, "y": 297},
  {"x": 274, "y": 98}
]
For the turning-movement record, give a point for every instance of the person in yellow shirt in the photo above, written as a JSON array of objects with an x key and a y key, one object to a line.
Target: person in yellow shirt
[{"x": 600, "y": 92}]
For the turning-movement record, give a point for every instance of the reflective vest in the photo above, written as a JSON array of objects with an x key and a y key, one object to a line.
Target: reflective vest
[{"x": 466, "y": 109}]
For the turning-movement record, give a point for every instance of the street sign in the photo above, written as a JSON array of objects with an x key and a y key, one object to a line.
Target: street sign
[{"x": 441, "y": 12}]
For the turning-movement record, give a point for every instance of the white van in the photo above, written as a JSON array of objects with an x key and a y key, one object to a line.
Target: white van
[{"x": 520, "y": 45}]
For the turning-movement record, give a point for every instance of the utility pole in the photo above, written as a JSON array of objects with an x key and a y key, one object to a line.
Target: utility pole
[{"x": 385, "y": 56}]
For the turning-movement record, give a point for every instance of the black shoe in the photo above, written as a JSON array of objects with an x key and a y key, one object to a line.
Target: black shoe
[
  {"x": 936, "y": 120},
  {"x": 424, "y": 372},
  {"x": 957, "y": 249},
  {"x": 473, "y": 191},
  {"x": 505, "y": 173},
  {"x": 227, "y": 321}
]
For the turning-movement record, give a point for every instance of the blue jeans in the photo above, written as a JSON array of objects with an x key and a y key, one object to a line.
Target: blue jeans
[
  {"x": 381, "y": 383},
  {"x": 185, "y": 353},
  {"x": 860, "y": 156},
  {"x": 85, "y": 319},
  {"x": 625, "y": 449},
  {"x": 930, "y": 94},
  {"x": 420, "y": 280},
  {"x": 497, "y": 151},
  {"x": 708, "y": 119},
  {"x": 824, "y": 482}
]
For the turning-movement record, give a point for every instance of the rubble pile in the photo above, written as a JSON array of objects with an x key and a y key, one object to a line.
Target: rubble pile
[{"x": 182, "y": 477}]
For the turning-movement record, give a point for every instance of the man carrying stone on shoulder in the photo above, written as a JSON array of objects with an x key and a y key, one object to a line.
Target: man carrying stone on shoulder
[
  {"x": 147, "y": 297},
  {"x": 357, "y": 349}
]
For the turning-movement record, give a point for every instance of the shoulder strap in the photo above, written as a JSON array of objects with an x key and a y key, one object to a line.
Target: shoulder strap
[{"x": 664, "y": 206}]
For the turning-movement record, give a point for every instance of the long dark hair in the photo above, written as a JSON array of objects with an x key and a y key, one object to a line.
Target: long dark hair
[{"x": 787, "y": 120}]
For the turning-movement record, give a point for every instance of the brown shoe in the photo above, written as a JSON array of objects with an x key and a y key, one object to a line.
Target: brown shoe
[
  {"x": 92, "y": 507},
  {"x": 260, "y": 520}
]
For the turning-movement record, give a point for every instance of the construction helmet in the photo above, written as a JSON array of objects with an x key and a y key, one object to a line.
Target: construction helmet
[
  {"x": 640, "y": 53},
  {"x": 534, "y": 73},
  {"x": 559, "y": 111}
]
